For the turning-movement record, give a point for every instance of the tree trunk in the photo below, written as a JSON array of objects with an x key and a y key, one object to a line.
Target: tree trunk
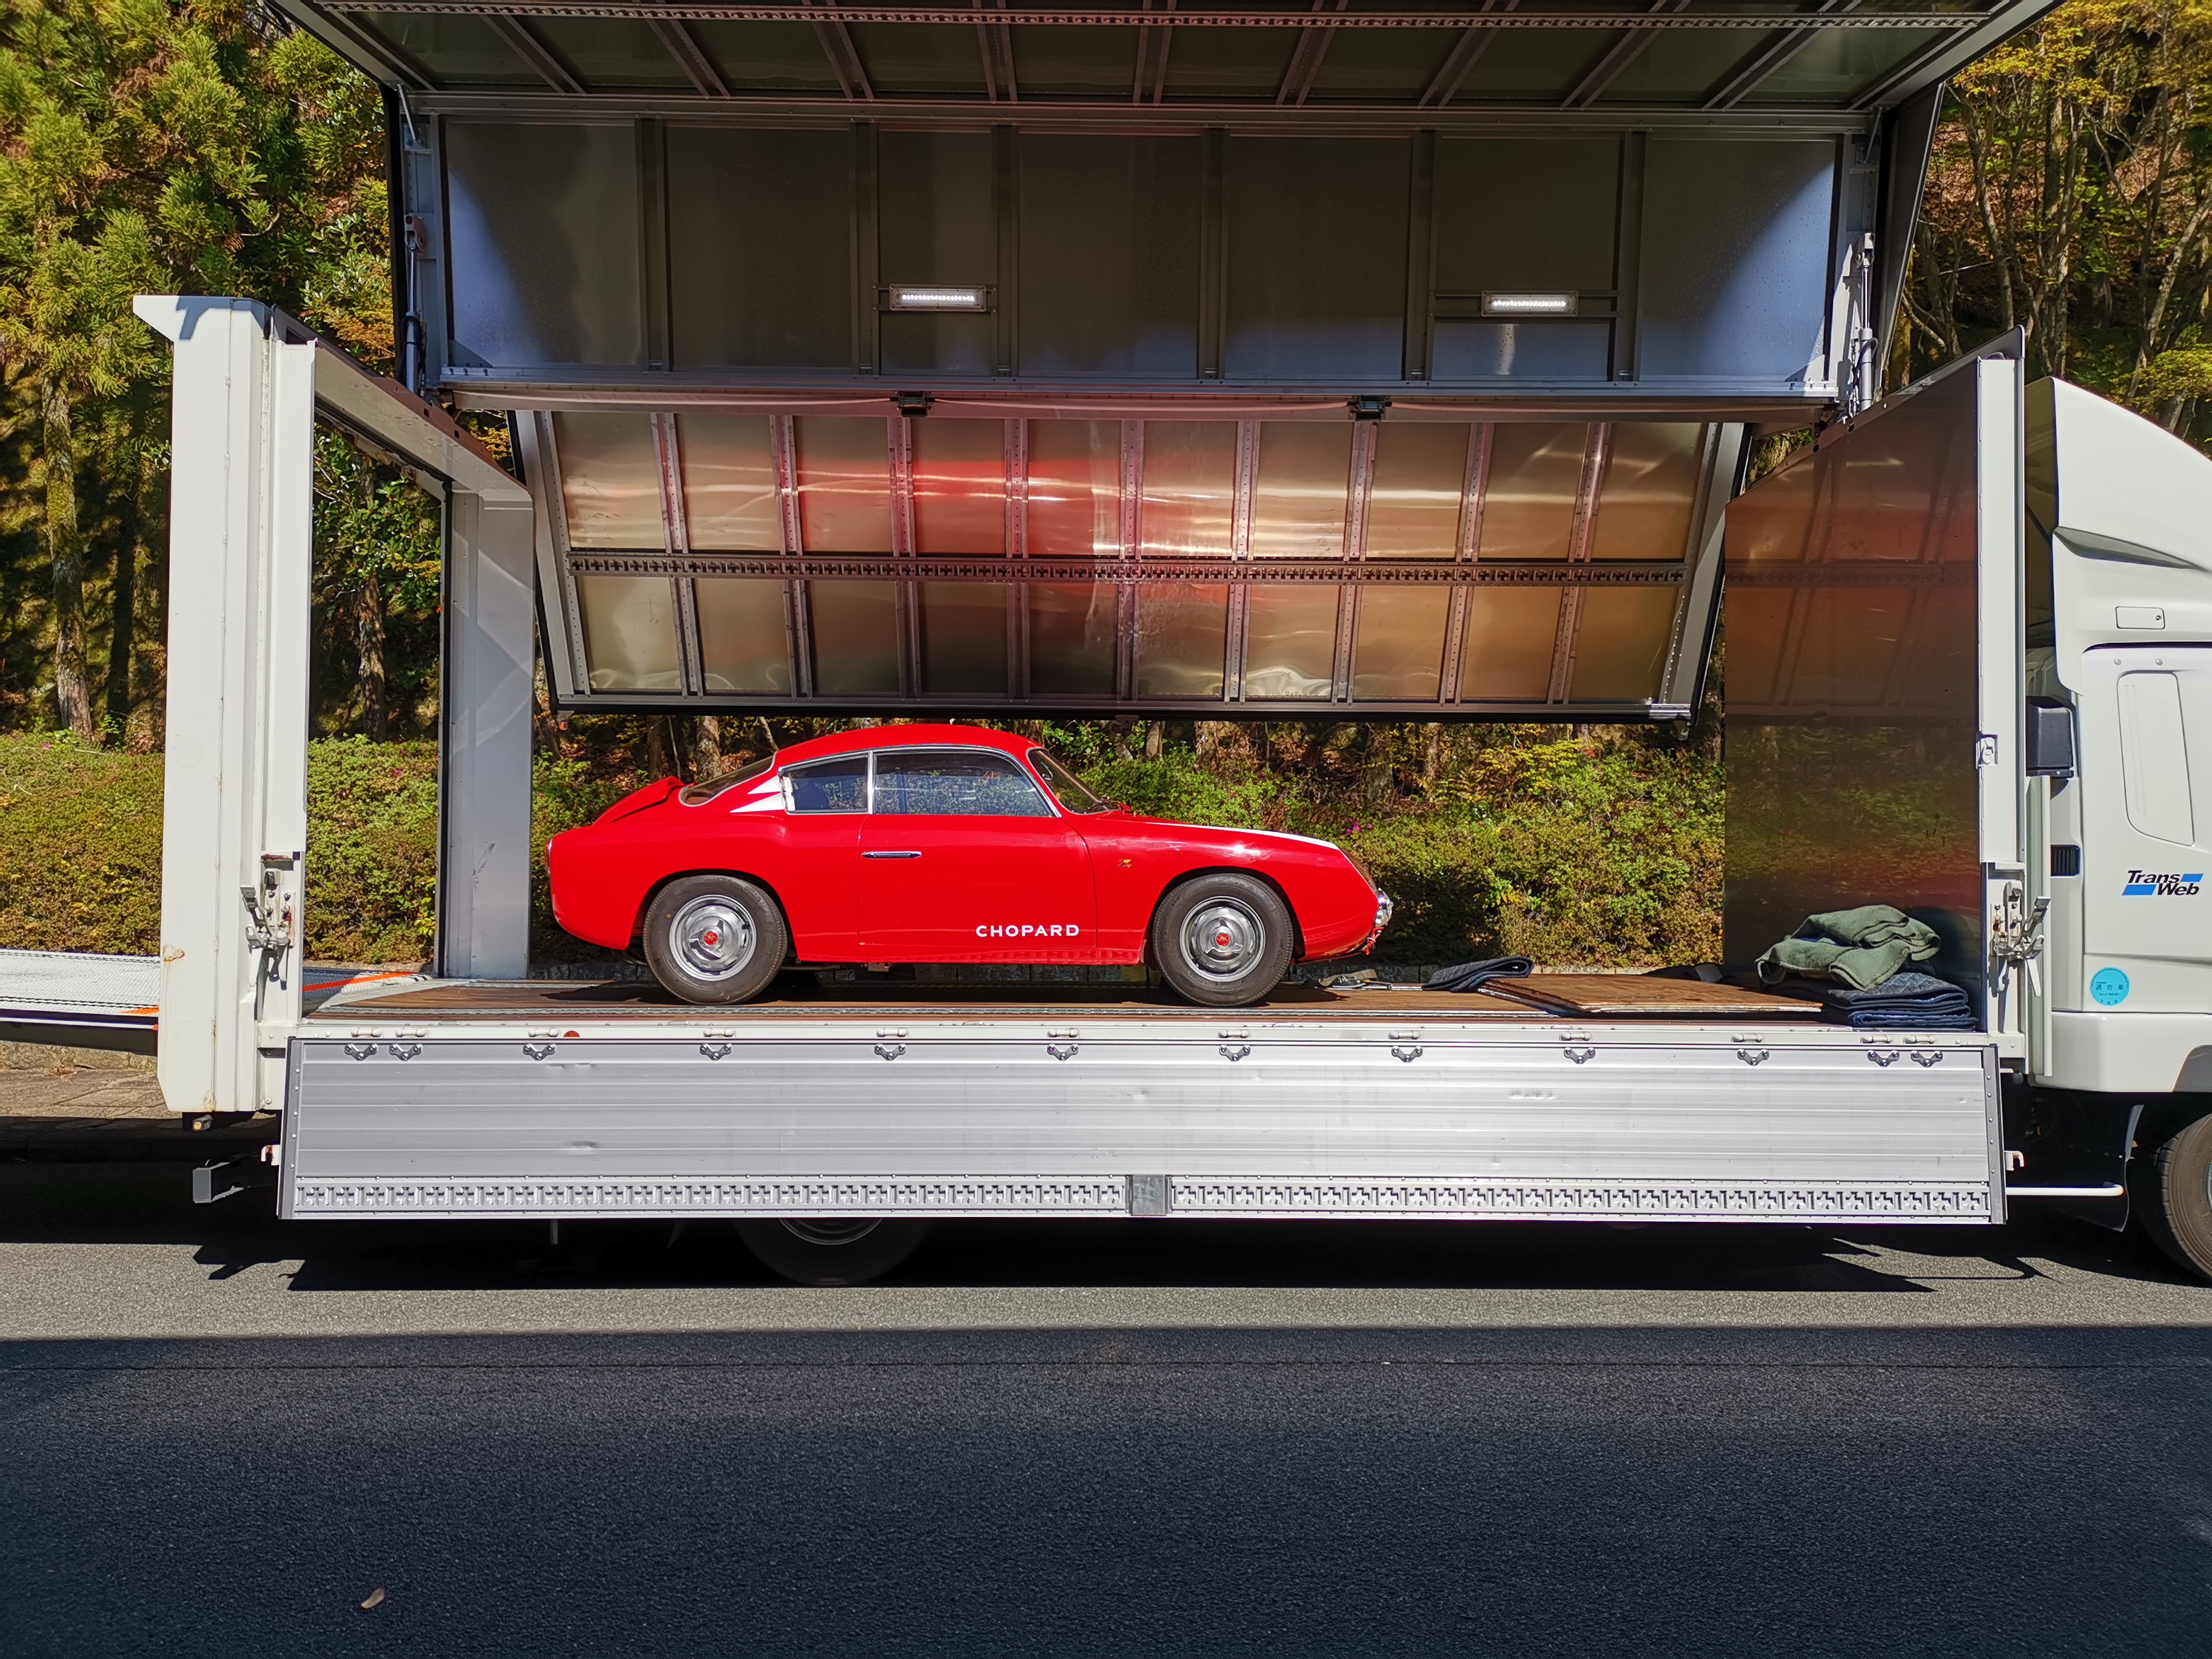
[
  {"x": 369, "y": 678},
  {"x": 1377, "y": 766},
  {"x": 1433, "y": 751},
  {"x": 707, "y": 746},
  {"x": 659, "y": 753},
  {"x": 72, "y": 693},
  {"x": 123, "y": 621},
  {"x": 1156, "y": 734}
]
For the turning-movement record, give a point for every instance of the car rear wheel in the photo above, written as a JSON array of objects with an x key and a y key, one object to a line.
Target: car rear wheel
[
  {"x": 1223, "y": 940},
  {"x": 832, "y": 1250},
  {"x": 714, "y": 938}
]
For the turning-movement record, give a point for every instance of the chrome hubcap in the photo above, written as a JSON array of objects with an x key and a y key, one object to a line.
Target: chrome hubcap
[
  {"x": 713, "y": 937},
  {"x": 828, "y": 1231},
  {"x": 1222, "y": 938}
]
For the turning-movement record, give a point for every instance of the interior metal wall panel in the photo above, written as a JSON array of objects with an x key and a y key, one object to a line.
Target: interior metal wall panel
[
  {"x": 930, "y": 1119},
  {"x": 1109, "y": 255},
  {"x": 1738, "y": 261},
  {"x": 1852, "y": 773},
  {"x": 937, "y": 223},
  {"x": 1316, "y": 239},
  {"x": 1417, "y": 566},
  {"x": 544, "y": 244},
  {"x": 760, "y": 250},
  {"x": 700, "y": 254},
  {"x": 1533, "y": 213}
]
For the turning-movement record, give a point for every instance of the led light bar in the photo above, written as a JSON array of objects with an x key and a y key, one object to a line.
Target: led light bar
[
  {"x": 935, "y": 296},
  {"x": 1529, "y": 305}
]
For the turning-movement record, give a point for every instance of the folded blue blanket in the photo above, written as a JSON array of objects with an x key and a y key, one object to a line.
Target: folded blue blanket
[{"x": 1903, "y": 1002}]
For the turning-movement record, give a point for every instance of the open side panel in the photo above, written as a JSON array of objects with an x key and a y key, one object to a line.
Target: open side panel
[
  {"x": 249, "y": 384},
  {"x": 1872, "y": 621},
  {"x": 1129, "y": 556}
]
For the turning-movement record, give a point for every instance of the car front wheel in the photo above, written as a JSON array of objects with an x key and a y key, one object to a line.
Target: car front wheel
[
  {"x": 1223, "y": 940},
  {"x": 714, "y": 938}
]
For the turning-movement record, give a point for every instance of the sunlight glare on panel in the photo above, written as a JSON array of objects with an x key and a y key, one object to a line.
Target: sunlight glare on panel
[
  {"x": 959, "y": 485},
  {"x": 1298, "y": 496},
  {"x": 609, "y": 480},
  {"x": 1528, "y": 496},
  {"x": 1075, "y": 488},
  {"x": 729, "y": 482},
  {"x": 844, "y": 484}
]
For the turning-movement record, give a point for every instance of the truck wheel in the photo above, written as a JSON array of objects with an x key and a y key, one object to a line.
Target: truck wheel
[
  {"x": 832, "y": 1251},
  {"x": 1223, "y": 940},
  {"x": 714, "y": 938},
  {"x": 2174, "y": 1196}
]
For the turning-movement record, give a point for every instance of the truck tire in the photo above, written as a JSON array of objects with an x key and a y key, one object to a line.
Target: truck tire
[
  {"x": 2173, "y": 1193},
  {"x": 1222, "y": 941},
  {"x": 832, "y": 1251},
  {"x": 714, "y": 938}
]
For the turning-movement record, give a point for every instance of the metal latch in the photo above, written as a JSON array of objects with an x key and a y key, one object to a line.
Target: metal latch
[
  {"x": 272, "y": 920},
  {"x": 2015, "y": 941}
]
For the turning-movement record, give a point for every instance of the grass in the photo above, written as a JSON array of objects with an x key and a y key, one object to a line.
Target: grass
[{"x": 1601, "y": 851}]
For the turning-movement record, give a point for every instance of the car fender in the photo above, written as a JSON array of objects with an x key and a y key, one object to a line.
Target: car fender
[
  {"x": 1257, "y": 873},
  {"x": 660, "y": 883}
]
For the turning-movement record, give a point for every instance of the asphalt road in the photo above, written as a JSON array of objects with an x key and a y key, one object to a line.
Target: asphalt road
[{"x": 221, "y": 1435}]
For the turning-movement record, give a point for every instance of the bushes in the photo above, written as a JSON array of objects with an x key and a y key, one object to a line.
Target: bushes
[
  {"x": 1599, "y": 851},
  {"x": 372, "y": 850},
  {"x": 80, "y": 847},
  {"x": 1583, "y": 851}
]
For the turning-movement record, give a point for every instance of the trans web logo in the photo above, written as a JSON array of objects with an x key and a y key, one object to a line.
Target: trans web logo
[{"x": 2144, "y": 883}]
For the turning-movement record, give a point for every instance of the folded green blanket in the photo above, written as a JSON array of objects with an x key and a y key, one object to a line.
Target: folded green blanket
[{"x": 1862, "y": 948}]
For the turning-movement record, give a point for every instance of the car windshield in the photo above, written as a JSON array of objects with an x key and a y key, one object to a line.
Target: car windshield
[
  {"x": 707, "y": 788},
  {"x": 1075, "y": 794}
]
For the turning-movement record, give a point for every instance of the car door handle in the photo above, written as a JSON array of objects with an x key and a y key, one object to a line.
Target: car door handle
[{"x": 891, "y": 855}]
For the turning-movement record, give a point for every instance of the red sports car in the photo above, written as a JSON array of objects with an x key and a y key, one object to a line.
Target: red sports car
[{"x": 945, "y": 843}]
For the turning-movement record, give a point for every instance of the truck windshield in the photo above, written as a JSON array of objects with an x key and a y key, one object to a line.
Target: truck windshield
[{"x": 1073, "y": 794}]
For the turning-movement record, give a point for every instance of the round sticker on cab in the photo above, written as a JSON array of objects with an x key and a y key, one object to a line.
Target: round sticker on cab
[{"x": 2109, "y": 987}]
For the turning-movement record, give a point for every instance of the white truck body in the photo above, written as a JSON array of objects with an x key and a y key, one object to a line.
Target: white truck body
[{"x": 471, "y": 1102}]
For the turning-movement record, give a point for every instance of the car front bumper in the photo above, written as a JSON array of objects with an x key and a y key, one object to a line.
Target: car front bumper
[{"x": 1382, "y": 910}]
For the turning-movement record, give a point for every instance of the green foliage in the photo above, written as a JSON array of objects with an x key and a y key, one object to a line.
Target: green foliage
[
  {"x": 80, "y": 847},
  {"x": 166, "y": 147},
  {"x": 564, "y": 794},
  {"x": 1572, "y": 852},
  {"x": 372, "y": 850}
]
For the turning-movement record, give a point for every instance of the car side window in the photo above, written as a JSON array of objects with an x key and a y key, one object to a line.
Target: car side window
[
  {"x": 956, "y": 783},
  {"x": 829, "y": 786}
]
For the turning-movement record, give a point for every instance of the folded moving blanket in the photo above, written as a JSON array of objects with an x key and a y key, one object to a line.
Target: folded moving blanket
[
  {"x": 1474, "y": 976},
  {"x": 1861, "y": 947},
  {"x": 1904, "y": 1002}
]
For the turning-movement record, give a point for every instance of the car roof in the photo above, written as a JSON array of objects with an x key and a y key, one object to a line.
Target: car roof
[{"x": 902, "y": 737}]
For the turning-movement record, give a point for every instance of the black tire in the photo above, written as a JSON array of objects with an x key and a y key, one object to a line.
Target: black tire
[
  {"x": 2174, "y": 1196},
  {"x": 714, "y": 938},
  {"x": 838, "y": 1250},
  {"x": 1222, "y": 941}
]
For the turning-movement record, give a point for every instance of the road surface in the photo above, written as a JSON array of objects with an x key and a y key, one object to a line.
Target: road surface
[{"x": 1147, "y": 1438}]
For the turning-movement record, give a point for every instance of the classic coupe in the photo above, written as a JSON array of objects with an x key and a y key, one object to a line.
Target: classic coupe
[{"x": 945, "y": 844}]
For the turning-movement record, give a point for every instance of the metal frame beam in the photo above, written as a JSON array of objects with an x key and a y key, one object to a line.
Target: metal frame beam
[
  {"x": 1622, "y": 53},
  {"x": 1044, "y": 115},
  {"x": 524, "y": 43},
  {"x": 1950, "y": 21}
]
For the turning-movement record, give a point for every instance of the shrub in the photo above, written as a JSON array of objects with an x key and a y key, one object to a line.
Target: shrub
[
  {"x": 80, "y": 847},
  {"x": 372, "y": 850}
]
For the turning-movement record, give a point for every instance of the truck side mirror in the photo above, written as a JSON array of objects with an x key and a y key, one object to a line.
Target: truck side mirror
[{"x": 2049, "y": 738}]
